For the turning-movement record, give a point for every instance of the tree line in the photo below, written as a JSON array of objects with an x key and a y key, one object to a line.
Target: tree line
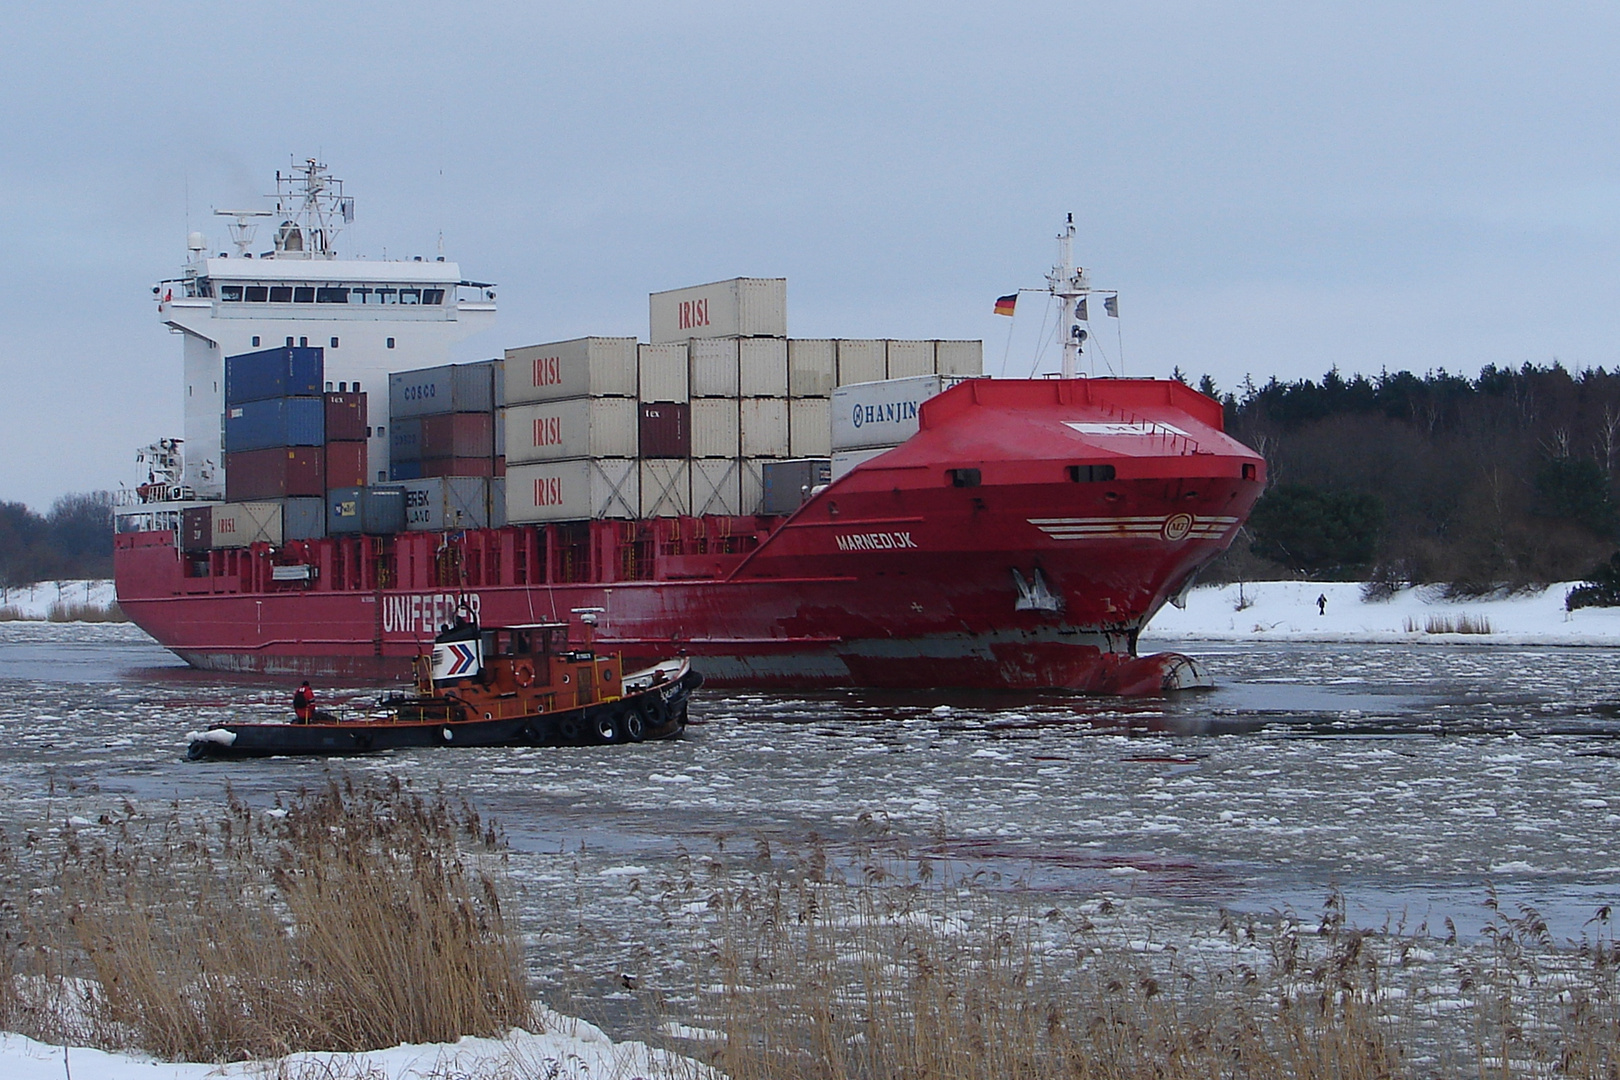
[
  {"x": 1504, "y": 480},
  {"x": 73, "y": 540}
]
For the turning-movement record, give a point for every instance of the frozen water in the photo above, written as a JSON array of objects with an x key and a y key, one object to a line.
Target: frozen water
[{"x": 1410, "y": 778}]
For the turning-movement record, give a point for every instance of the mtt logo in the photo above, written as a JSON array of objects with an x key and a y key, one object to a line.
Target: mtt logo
[
  {"x": 692, "y": 314},
  {"x": 548, "y": 371}
]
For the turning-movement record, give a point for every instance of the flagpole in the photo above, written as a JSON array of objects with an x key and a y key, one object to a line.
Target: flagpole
[{"x": 1069, "y": 283}]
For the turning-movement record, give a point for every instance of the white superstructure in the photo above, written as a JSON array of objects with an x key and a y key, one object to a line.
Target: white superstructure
[{"x": 372, "y": 317}]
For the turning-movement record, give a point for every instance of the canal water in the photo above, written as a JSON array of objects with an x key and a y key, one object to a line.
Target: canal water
[{"x": 1412, "y": 778}]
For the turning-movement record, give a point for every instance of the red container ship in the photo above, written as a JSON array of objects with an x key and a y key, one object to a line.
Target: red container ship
[{"x": 1020, "y": 538}]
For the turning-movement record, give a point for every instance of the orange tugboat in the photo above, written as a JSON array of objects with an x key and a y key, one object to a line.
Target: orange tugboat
[{"x": 508, "y": 686}]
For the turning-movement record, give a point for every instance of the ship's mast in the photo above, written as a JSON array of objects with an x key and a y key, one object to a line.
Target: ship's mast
[{"x": 1070, "y": 285}]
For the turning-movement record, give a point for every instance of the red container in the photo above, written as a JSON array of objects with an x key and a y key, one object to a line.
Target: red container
[
  {"x": 666, "y": 429},
  {"x": 196, "y": 529},
  {"x": 458, "y": 466},
  {"x": 345, "y": 464},
  {"x": 458, "y": 435},
  {"x": 277, "y": 473},
  {"x": 345, "y": 417}
]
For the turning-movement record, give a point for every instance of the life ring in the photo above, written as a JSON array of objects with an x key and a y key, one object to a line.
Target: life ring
[{"x": 523, "y": 673}]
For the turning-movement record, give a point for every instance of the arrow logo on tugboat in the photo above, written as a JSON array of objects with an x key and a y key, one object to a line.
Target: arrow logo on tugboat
[{"x": 455, "y": 659}]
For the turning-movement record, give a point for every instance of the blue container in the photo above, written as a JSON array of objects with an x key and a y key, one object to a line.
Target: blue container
[
  {"x": 273, "y": 373},
  {"x": 405, "y": 470},
  {"x": 286, "y": 421},
  {"x": 405, "y": 440}
]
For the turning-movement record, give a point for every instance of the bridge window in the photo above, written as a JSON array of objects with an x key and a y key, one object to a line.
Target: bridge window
[
  {"x": 230, "y": 292},
  {"x": 255, "y": 294},
  {"x": 410, "y": 296},
  {"x": 1091, "y": 474},
  {"x": 331, "y": 296},
  {"x": 281, "y": 294},
  {"x": 304, "y": 294},
  {"x": 385, "y": 296},
  {"x": 432, "y": 296}
]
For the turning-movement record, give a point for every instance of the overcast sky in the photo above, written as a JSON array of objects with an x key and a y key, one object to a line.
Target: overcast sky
[{"x": 1274, "y": 188}]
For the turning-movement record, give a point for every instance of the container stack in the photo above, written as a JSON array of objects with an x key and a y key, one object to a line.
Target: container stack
[
  {"x": 287, "y": 441},
  {"x": 720, "y": 413},
  {"x": 572, "y": 442},
  {"x": 445, "y": 444}
]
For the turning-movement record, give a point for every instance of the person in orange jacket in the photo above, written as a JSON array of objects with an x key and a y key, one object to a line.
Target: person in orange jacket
[{"x": 304, "y": 703}]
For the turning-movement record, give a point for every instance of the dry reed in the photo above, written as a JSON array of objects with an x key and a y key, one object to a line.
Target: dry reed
[
  {"x": 67, "y": 611},
  {"x": 1445, "y": 624},
  {"x": 353, "y": 920}
]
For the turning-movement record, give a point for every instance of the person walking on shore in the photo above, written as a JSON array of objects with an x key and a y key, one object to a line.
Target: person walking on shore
[{"x": 1321, "y": 608}]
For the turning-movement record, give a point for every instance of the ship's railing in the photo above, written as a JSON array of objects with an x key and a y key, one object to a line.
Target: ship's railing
[{"x": 1172, "y": 439}]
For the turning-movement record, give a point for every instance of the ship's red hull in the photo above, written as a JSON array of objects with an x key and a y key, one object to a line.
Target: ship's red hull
[{"x": 985, "y": 552}]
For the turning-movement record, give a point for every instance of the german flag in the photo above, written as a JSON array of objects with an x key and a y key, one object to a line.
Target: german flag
[{"x": 1005, "y": 304}]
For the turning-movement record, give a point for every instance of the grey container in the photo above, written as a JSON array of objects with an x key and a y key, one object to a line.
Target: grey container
[
  {"x": 370, "y": 511},
  {"x": 449, "y": 388},
  {"x": 788, "y": 484},
  {"x": 497, "y": 502},
  {"x": 303, "y": 518},
  {"x": 438, "y": 503}
]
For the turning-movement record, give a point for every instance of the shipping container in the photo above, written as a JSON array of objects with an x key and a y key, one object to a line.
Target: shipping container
[
  {"x": 662, "y": 372},
  {"x": 287, "y": 421},
  {"x": 879, "y": 413},
  {"x": 812, "y": 367},
  {"x": 713, "y": 366},
  {"x": 449, "y": 388},
  {"x": 438, "y": 503},
  {"x": 196, "y": 529},
  {"x": 810, "y": 427},
  {"x": 405, "y": 470},
  {"x": 575, "y": 428},
  {"x": 751, "y": 484},
  {"x": 459, "y": 466},
  {"x": 405, "y": 439},
  {"x": 273, "y": 373},
  {"x": 497, "y": 502},
  {"x": 500, "y": 465},
  {"x": 788, "y": 484},
  {"x": 666, "y": 488},
  {"x": 962, "y": 358},
  {"x": 372, "y": 511},
  {"x": 303, "y": 518},
  {"x": 345, "y": 465},
  {"x": 500, "y": 433},
  {"x": 763, "y": 427},
  {"x": 666, "y": 429},
  {"x": 738, "y": 307},
  {"x": 276, "y": 473},
  {"x": 584, "y": 367},
  {"x": 716, "y": 486},
  {"x": 579, "y": 489},
  {"x": 762, "y": 367},
  {"x": 909, "y": 358},
  {"x": 345, "y": 417},
  {"x": 236, "y": 525},
  {"x": 462, "y": 435},
  {"x": 862, "y": 361},
  {"x": 845, "y": 460},
  {"x": 714, "y": 428}
]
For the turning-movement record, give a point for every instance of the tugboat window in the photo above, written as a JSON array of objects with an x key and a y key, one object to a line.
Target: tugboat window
[
  {"x": 281, "y": 294},
  {"x": 256, "y": 294},
  {"x": 432, "y": 296},
  {"x": 304, "y": 294}
]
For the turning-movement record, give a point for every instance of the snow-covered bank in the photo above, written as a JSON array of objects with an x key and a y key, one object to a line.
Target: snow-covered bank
[
  {"x": 35, "y": 601},
  {"x": 1287, "y": 611},
  {"x": 569, "y": 1050}
]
